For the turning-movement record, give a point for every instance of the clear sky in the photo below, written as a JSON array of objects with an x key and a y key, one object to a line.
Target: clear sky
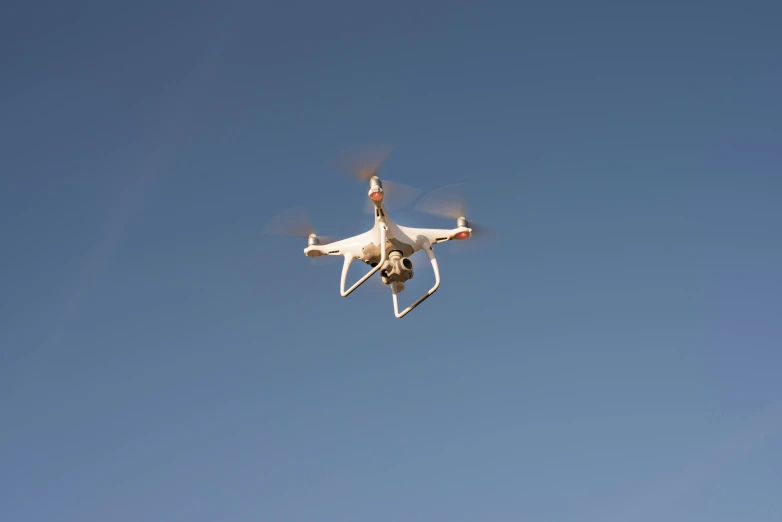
[{"x": 616, "y": 357}]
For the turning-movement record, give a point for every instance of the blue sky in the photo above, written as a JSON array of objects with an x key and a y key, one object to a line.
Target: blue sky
[{"x": 615, "y": 357}]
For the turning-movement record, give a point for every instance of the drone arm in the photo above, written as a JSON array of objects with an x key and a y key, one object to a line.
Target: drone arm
[
  {"x": 349, "y": 257},
  {"x": 430, "y": 253}
]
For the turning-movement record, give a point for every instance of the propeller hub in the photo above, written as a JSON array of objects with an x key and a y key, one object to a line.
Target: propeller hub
[
  {"x": 313, "y": 240},
  {"x": 462, "y": 222}
]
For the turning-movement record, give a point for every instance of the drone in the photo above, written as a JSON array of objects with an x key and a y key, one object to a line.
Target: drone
[{"x": 387, "y": 247}]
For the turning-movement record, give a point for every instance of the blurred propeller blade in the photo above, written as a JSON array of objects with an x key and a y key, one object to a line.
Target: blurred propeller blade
[
  {"x": 294, "y": 223},
  {"x": 449, "y": 201},
  {"x": 364, "y": 162},
  {"x": 482, "y": 238},
  {"x": 481, "y": 230},
  {"x": 396, "y": 195}
]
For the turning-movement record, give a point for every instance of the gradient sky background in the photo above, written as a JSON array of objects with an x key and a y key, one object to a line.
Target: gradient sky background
[{"x": 615, "y": 358}]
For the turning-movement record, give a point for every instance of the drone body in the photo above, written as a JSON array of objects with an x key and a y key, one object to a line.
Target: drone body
[{"x": 387, "y": 248}]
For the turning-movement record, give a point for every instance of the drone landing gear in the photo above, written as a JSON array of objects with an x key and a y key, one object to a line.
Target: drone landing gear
[
  {"x": 398, "y": 287},
  {"x": 349, "y": 259}
]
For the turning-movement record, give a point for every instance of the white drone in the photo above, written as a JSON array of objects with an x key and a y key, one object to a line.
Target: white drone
[{"x": 387, "y": 246}]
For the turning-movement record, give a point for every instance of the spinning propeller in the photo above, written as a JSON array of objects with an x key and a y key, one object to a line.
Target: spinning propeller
[
  {"x": 364, "y": 163},
  {"x": 450, "y": 202},
  {"x": 295, "y": 223}
]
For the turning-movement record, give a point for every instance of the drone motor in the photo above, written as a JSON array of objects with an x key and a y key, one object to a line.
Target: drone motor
[{"x": 375, "y": 190}]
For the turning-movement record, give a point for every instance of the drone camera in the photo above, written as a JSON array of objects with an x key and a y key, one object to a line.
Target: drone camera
[{"x": 397, "y": 269}]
